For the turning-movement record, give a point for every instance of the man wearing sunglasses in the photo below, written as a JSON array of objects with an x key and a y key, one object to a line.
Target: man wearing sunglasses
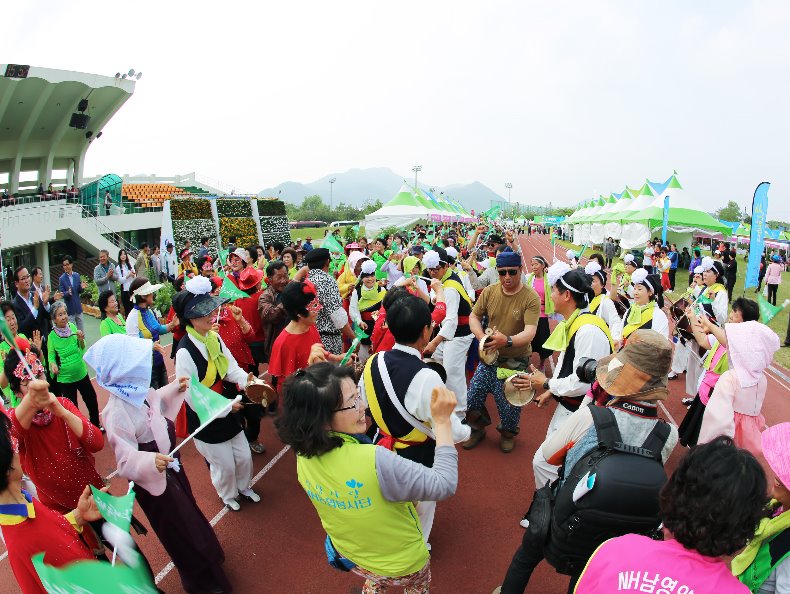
[
  {"x": 452, "y": 343},
  {"x": 512, "y": 309}
]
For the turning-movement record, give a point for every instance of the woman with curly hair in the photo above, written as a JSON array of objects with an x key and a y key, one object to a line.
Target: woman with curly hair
[{"x": 710, "y": 507}]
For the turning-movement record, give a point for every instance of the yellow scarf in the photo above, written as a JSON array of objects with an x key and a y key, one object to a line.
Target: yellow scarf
[
  {"x": 215, "y": 354},
  {"x": 766, "y": 530},
  {"x": 559, "y": 339}
]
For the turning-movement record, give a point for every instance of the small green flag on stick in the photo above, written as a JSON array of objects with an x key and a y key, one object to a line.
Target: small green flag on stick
[
  {"x": 230, "y": 291},
  {"x": 769, "y": 311},
  {"x": 360, "y": 334},
  {"x": 8, "y": 336},
  {"x": 94, "y": 577},
  {"x": 116, "y": 510}
]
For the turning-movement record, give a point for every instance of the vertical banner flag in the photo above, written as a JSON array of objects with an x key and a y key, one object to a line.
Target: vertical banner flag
[
  {"x": 757, "y": 239},
  {"x": 666, "y": 221}
]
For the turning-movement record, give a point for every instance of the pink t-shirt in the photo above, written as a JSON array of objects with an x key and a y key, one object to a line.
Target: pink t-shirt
[
  {"x": 635, "y": 563},
  {"x": 540, "y": 289}
]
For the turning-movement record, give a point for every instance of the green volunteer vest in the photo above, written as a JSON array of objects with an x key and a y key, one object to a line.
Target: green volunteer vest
[{"x": 380, "y": 536}]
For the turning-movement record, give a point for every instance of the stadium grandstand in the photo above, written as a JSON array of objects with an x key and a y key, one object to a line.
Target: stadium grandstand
[{"x": 49, "y": 119}]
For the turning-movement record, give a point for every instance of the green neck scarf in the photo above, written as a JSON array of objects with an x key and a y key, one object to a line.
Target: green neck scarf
[
  {"x": 215, "y": 354},
  {"x": 766, "y": 530},
  {"x": 635, "y": 313},
  {"x": 548, "y": 305},
  {"x": 558, "y": 341}
]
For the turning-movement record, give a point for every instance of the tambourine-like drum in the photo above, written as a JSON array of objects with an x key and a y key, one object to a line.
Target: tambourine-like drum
[
  {"x": 490, "y": 356},
  {"x": 259, "y": 392},
  {"x": 515, "y": 396},
  {"x": 677, "y": 311}
]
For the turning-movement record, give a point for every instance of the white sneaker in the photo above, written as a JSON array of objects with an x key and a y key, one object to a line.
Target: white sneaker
[
  {"x": 233, "y": 505},
  {"x": 524, "y": 523},
  {"x": 251, "y": 495}
]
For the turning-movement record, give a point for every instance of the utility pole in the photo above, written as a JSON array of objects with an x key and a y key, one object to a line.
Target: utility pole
[
  {"x": 331, "y": 184},
  {"x": 509, "y": 187}
]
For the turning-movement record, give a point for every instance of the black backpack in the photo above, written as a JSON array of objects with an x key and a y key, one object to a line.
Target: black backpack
[{"x": 623, "y": 500}]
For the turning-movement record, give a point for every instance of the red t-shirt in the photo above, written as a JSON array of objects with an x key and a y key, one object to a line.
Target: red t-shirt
[
  {"x": 58, "y": 462},
  {"x": 47, "y": 532},
  {"x": 291, "y": 351}
]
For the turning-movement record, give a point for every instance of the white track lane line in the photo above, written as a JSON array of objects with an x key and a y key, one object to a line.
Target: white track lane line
[{"x": 221, "y": 514}]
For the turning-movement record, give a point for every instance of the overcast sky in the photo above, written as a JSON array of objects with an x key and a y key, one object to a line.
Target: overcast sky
[{"x": 563, "y": 99}]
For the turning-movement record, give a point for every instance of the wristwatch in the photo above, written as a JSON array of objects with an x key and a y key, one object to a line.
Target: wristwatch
[{"x": 509, "y": 341}]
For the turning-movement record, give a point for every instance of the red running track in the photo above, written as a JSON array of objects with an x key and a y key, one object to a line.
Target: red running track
[{"x": 277, "y": 545}]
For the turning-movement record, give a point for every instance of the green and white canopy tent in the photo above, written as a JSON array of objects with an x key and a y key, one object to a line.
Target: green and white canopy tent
[
  {"x": 634, "y": 216},
  {"x": 410, "y": 206}
]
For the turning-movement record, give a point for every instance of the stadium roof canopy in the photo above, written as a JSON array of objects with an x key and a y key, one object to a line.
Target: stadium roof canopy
[{"x": 36, "y": 135}]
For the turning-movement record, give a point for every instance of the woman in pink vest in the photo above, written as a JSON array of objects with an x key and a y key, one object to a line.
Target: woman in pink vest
[{"x": 711, "y": 507}]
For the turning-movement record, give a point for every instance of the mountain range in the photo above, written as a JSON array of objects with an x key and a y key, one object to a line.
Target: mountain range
[{"x": 356, "y": 186}]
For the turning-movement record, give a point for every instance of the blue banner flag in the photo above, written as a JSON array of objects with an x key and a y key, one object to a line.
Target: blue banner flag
[
  {"x": 757, "y": 239},
  {"x": 666, "y": 221}
]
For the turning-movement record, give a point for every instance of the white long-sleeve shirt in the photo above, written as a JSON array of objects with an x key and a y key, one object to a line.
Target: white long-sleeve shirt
[
  {"x": 126, "y": 275},
  {"x": 393, "y": 274},
  {"x": 418, "y": 396},
  {"x": 608, "y": 313},
  {"x": 590, "y": 341},
  {"x": 452, "y": 299}
]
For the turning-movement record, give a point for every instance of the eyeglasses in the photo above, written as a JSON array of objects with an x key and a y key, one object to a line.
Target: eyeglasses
[
  {"x": 314, "y": 306},
  {"x": 355, "y": 406},
  {"x": 508, "y": 271}
]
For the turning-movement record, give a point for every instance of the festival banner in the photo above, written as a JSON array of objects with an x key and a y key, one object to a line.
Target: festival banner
[
  {"x": 665, "y": 223},
  {"x": 757, "y": 236},
  {"x": 93, "y": 577},
  {"x": 116, "y": 510}
]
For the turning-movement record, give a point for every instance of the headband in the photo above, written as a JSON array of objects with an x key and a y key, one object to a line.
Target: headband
[
  {"x": 542, "y": 260},
  {"x": 639, "y": 277}
]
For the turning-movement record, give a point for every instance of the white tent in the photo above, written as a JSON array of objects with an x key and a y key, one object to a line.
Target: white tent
[{"x": 404, "y": 210}]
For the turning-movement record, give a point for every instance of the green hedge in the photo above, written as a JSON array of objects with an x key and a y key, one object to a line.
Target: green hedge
[
  {"x": 271, "y": 208},
  {"x": 233, "y": 207},
  {"x": 185, "y": 209}
]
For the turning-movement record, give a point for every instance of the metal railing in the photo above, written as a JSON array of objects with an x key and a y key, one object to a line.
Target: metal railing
[{"x": 117, "y": 239}]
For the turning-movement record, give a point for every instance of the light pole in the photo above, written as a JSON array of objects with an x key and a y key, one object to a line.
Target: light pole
[
  {"x": 332, "y": 181},
  {"x": 416, "y": 169},
  {"x": 509, "y": 187}
]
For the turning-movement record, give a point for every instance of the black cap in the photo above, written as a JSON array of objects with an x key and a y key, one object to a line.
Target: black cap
[
  {"x": 317, "y": 255},
  {"x": 416, "y": 249}
]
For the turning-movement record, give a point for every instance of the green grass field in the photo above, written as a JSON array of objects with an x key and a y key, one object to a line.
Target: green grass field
[{"x": 778, "y": 324}]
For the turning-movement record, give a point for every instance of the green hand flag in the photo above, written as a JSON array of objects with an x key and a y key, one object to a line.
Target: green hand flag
[
  {"x": 206, "y": 402},
  {"x": 332, "y": 244},
  {"x": 116, "y": 510},
  {"x": 360, "y": 334},
  {"x": 230, "y": 291},
  {"x": 6, "y": 332},
  {"x": 93, "y": 577},
  {"x": 768, "y": 311},
  {"x": 222, "y": 256}
]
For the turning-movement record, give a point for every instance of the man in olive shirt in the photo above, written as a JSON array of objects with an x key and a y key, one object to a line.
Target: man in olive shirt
[{"x": 512, "y": 309}]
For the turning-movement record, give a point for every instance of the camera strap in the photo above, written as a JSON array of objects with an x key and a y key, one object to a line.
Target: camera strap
[{"x": 645, "y": 410}]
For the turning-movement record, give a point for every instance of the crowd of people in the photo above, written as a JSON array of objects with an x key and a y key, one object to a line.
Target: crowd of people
[{"x": 379, "y": 356}]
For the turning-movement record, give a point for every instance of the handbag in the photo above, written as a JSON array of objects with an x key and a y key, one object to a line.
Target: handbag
[
  {"x": 539, "y": 514},
  {"x": 335, "y": 559}
]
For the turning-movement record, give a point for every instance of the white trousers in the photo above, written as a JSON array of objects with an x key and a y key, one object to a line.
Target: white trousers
[
  {"x": 680, "y": 358},
  {"x": 230, "y": 463},
  {"x": 452, "y": 354},
  {"x": 542, "y": 469},
  {"x": 426, "y": 510}
]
